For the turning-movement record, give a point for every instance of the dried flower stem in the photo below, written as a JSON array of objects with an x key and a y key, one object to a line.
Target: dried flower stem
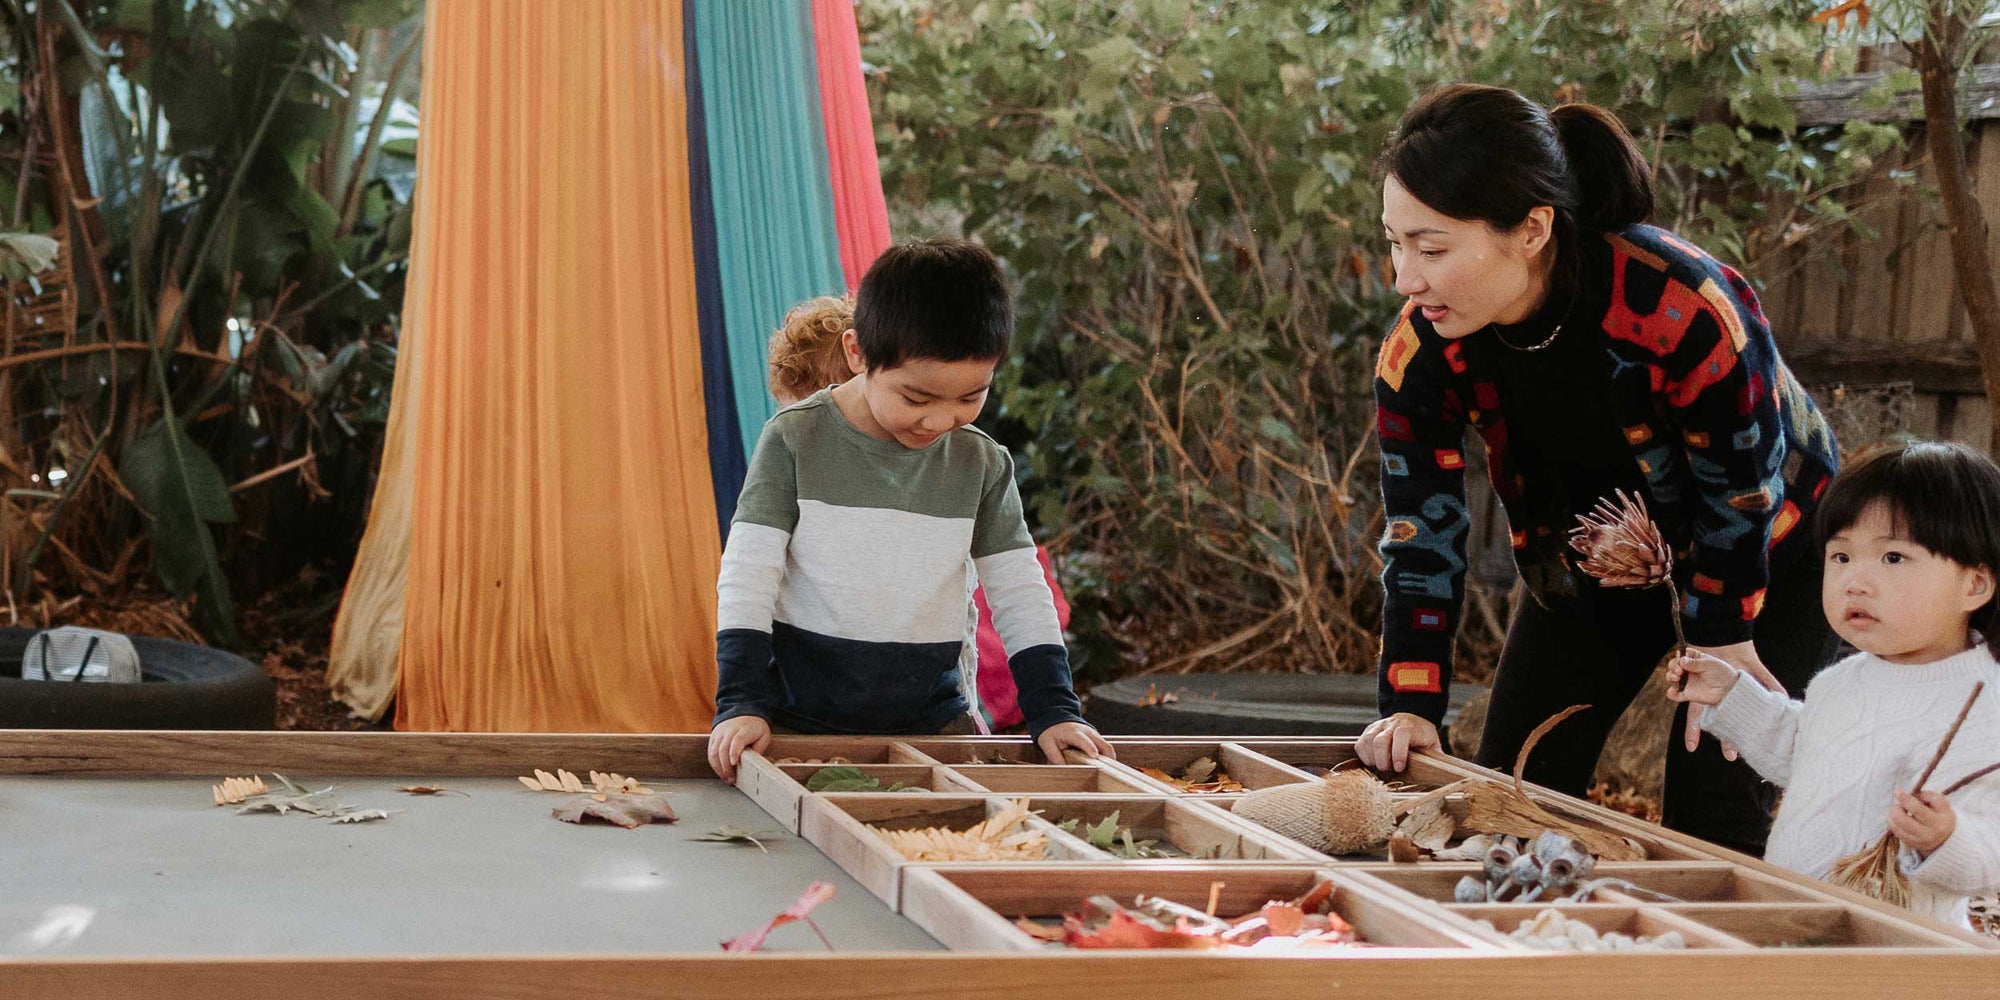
[
  {"x": 1949, "y": 735},
  {"x": 1970, "y": 778},
  {"x": 1674, "y": 609}
]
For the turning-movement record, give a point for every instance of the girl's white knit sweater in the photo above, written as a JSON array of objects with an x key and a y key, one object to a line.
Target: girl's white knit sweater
[{"x": 1866, "y": 728}]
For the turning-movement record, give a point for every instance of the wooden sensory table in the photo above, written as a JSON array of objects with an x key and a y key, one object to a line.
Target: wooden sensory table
[{"x": 119, "y": 877}]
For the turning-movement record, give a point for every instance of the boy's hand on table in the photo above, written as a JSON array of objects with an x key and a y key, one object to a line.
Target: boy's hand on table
[
  {"x": 1923, "y": 822},
  {"x": 1073, "y": 736},
  {"x": 727, "y": 742}
]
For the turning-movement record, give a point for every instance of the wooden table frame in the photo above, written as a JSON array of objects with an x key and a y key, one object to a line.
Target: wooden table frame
[{"x": 1969, "y": 966}]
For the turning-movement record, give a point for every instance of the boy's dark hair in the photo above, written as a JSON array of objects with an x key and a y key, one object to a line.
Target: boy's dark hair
[
  {"x": 942, "y": 299},
  {"x": 1942, "y": 495}
]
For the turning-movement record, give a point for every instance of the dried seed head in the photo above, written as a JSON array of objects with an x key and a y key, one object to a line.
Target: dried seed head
[{"x": 1620, "y": 544}]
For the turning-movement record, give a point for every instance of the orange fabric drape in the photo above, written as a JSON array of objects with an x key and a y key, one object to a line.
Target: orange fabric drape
[
  {"x": 563, "y": 551},
  {"x": 860, "y": 213},
  {"x": 368, "y": 634}
]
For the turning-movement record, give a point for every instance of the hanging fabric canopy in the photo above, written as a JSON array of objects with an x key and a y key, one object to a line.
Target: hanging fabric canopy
[
  {"x": 582, "y": 363},
  {"x": 859, "y": 212},
  {"x": 775, "y": 239}
]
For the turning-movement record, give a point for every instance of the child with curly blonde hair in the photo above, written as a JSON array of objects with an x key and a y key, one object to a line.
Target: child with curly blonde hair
[{"x": 805, "y": 351}]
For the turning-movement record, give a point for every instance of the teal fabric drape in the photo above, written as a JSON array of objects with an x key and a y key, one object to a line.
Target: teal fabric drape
[{"x": 776, "y": 241}]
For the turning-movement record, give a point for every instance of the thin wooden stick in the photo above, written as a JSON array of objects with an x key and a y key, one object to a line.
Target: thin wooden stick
[
  {"x": 1970, "y": 778},
  {"x": 1949, "y": 735}
]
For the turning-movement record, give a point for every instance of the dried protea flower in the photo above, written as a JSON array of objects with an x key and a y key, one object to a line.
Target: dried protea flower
[{"x": 1622, "y": 547}]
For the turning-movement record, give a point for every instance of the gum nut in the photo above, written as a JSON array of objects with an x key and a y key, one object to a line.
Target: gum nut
[
  {"x": 1469, "y": 890},
  {"x": 1558, "y": 871},
  {"x": 1549, "y": 844},
  {"x": 1525, "y": 870},
  {"x": 1582, "y": 864}
]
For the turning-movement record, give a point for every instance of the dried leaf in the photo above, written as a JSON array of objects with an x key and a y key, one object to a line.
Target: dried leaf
[
  {"x": 1199, "y": 771},
  {"x": 1123, "y": 930},
  {"x": 365, "y": 815},
  {"x": 320, "y": 803},
  {"x": 1153, "y": 697},
  {"x": 235, "y": 790},
  {"x": 1205, "y": 770},
  {"x": 615, "y": 782},
  {"x": 732, "y": 835},
  {"x": 1041, "y": 932},
  {"x": 628, "y": 811},
  {"x": 433, "y": 790},
  {"x": 1284, "y": 919},
  {"x": 602, "y": 784},
  {"x": 815, "y": 894},
  {"x": 1113, "y": 839}
]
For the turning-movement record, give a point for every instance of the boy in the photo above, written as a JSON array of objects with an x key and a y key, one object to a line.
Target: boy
[{"x": 842, "y": 593}]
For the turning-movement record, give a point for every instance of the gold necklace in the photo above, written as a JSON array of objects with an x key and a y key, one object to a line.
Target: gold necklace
[{"x": 1495, "y": 327}]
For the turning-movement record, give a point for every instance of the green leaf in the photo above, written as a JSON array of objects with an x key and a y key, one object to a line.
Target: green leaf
[
  {"x": 178, "y": 484},
  {"x": 1104, "y": 834},
  {"x": 842, "y": 779}
]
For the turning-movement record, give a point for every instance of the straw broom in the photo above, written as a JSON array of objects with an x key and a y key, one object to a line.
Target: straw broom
[{"x": 1875, "y": 871}]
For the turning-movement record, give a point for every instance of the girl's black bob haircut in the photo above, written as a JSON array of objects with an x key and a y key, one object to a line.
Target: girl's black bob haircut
[{"x": 1941, "y": 495}]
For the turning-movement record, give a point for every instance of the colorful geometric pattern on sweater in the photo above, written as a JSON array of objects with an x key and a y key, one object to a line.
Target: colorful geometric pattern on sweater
[{"x": 1733, "y": 452}]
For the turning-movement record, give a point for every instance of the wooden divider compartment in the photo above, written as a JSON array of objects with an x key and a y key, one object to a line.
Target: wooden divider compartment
[
  {"x": 973, "y": 908},
  {"x": 953, "y": 751},
  {"x": 1690, "y": 882},
  {"x": 1050, "y": 779},
  {"x": 779, "y": 788},
  {"x": 1251, "y": 770},
  {"x": 1317, "y": 758},
  {"x": 1637, "y": 921},
  {"x": 838, "y": 824},
  {"x": 920, "y": 777},
  {"x": 1192, "y": 829},
  {"x": 1832, "y": 925},
  {"x": 853, "y": 750},
  {"x": 1434, "y": 881}
]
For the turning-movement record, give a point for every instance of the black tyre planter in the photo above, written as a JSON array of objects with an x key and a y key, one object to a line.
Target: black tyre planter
[
  {"x": 184, "y": 687},
  {"x": 1245, "y": 704}
]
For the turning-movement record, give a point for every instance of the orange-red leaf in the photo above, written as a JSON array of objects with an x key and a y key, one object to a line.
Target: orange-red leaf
[
  {"x": 815, "y": 894},
  {"x": 1125, "y": 931}
]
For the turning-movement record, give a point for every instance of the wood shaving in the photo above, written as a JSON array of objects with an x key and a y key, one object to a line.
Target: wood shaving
[{"x": 998, "y": 838}]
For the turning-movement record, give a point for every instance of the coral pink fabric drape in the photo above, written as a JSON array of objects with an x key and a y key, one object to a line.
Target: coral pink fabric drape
[
  {"x": 563, "y": 551},
  {"x": 859, "y": 211}
]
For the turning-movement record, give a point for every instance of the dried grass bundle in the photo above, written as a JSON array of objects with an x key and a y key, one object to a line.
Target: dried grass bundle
[{"x": 997, "y": 838}]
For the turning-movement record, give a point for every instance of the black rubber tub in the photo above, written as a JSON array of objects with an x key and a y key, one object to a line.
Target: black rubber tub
[
  {"x": 1244, "y": 704},
  {"x": 184, "y": 687}
]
